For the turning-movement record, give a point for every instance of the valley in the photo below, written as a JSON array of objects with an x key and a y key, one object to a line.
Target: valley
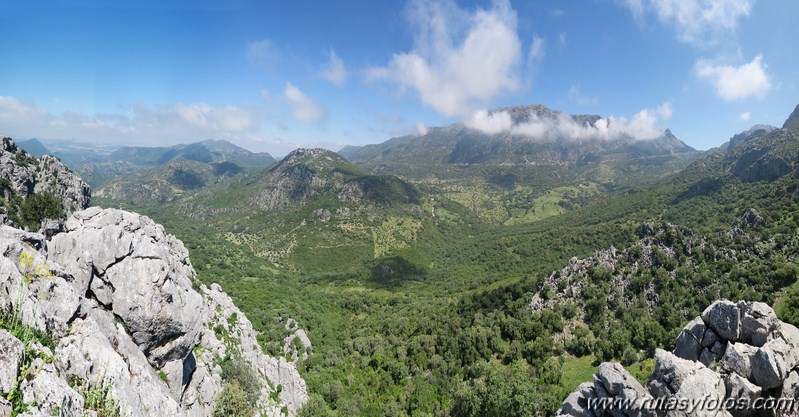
[{"x": 422, "y": 297}]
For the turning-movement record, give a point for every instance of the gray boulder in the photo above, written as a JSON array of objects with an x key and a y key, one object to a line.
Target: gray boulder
[
  {"x": 11, "y": 351},
  {"x": 684, "y": 379},
  {"x": 724, "y": 318},
  {"x": 738, "y": 359},
  {"x": 741, "y": 393},
  {"x": 576, "y": 404},
  {"x": 758, "y": 322},
  {"x": 689, "y": 342}
]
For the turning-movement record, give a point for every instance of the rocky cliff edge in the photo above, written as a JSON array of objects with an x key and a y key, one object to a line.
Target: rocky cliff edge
[{"x": 120, "y": 317}]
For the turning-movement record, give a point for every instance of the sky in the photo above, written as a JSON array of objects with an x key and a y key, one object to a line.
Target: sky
[{"x": 276, "y": 75}]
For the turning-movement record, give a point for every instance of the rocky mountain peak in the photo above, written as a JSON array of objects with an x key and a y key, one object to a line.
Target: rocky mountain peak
[
  {"x": 793, "y": 121},
  {"x": 754, "y": 132}
]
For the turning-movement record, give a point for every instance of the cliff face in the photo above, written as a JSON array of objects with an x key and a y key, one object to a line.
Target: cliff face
[
  {"x": 118, "y": 302},
  {"x": 24, "y": 176}
]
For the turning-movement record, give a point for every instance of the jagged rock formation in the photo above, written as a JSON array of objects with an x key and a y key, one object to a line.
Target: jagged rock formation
[
  {"x": 756, "y": 131},
  {"x": 661, "y": 246},
  {"x": 297, "y": 344},
  {"x": 25, "y": 175},
  {"x": 792, "y": 123},
  {"x": 115, "y": 295},
  {"x": 731, "y": 358}
]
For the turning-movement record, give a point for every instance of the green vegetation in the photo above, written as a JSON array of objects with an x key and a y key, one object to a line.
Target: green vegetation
[
  {"x": 97, "y": 396},
  {"x": 38, "y": 207},
  {"x": 232, "y": 402},
  {"x": 11, "y": 321}
]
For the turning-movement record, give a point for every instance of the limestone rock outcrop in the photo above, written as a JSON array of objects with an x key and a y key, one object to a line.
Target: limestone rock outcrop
[
  {"x": 726, "y": 362},
  {"x": 117, "y": 297},
  {"x": 27, "y": 175}
]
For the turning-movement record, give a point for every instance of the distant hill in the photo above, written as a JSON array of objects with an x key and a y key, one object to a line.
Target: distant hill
[
  {"x": 167, "y": 182},
  {"x": 205, "y": 151},
  {"x": 34, "y": 147},
  {"x": 101, "y": 168}
]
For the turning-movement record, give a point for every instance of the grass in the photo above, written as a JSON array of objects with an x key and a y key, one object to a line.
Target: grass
[{"x": 575, "y": 371}]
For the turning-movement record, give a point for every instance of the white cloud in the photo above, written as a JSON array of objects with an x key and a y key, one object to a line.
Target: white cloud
[
  {"x": 698, "y": 22},
  {"x": 538, "y": 49},
  {"x": 736, "y": 83},
  {"x": 259, "y": 54},
  {"x": 745, "y": 116},
  {"x": 490, "y": 123},
  {"x": 421, "y": 129},
  {"x": 642, "y": 126},
  {"x": 665, "y": 111},
  {"x": 562, "y": 38},
  {"x": 178, "y": 122},
  {"x": 460, "y": 60},
  {"x": 12, "y": 110},
  {"x": 576, "y": 96},
  {"x": 303, "y": 108},
  {"x": 334, "y": 71}
]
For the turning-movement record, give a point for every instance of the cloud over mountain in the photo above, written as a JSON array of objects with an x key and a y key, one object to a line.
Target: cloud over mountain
[{"x": 643, "y": 125}]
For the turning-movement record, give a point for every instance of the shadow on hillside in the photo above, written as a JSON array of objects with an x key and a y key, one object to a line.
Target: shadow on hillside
[{"x": 394, "y": 272}]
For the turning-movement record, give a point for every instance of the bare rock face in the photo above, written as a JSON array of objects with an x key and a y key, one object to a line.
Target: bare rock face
[
  {"x": 27, "y": 176},
  {"x": 140, "y": 273},
  {"x": 727, "y": 360},
  {"x": 10, "y": 353},
  {"x": 611, "y": 382},
  {"x": 115, "y": 294}
]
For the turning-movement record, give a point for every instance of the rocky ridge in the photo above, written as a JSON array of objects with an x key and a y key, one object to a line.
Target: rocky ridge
[
  {"x": 732, "y": 357},
  {"x": 26, "y": 175},
  {"x": 117, "y": 298},
  {"x": 661, "y": 246}
]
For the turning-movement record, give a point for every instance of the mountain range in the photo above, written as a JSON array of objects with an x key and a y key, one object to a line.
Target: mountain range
[
  {"x": 465, "y": 273},
  {"x": 98, "y": 164}
]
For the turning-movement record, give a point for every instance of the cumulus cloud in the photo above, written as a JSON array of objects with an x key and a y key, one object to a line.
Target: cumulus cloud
[
  {"x": 642, "y": 126},
  {"x": 303, "y": 108},
  {"x": 577, "y": 97},
  {"x": 697, "y": 22},
  {"x": 259, "y": 54},
  {"x": 745, "y": 116},
  {"x": 421, "y": 129},
  {"x": 334, "y": 71},
  {"x": 736, "y": 83},
  {"x": 460, "y": 59}
]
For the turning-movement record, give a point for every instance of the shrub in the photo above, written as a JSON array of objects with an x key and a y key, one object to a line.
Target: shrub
[
  {"x": 38, "y": 207},
  {"x": 232, "y": 402}
]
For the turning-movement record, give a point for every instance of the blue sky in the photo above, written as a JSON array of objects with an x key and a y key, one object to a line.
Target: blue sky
[{"x": 273, "y": 76}]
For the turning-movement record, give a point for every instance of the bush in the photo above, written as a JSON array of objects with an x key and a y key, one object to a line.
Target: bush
[
  {"x": 38, "y": 207},
  {"x": 236, "y": 370},
  {"x": 232, "y": 402}
]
